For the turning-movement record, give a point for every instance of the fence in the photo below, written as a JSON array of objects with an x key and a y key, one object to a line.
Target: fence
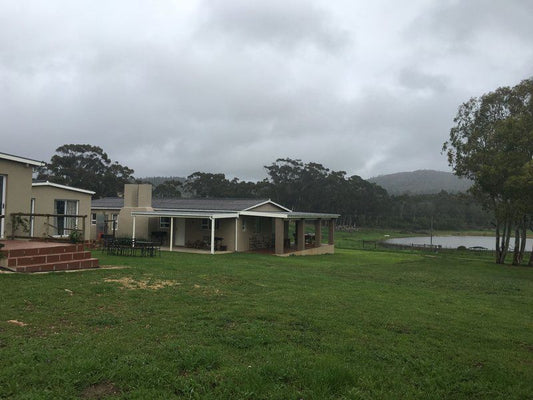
[{"x": 48, "y": 226}]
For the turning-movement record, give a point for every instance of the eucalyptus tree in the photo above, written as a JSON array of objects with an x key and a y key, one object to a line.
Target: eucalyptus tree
[
  {"x": 492, "y": 144},
  {"x": 87, "y": 167}
]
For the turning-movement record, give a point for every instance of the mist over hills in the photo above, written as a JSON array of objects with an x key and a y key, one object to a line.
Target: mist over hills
[{"x": 422, "y": 181}]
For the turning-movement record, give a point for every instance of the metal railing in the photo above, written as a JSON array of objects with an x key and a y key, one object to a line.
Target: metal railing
[{"x": 26, "y": 223}]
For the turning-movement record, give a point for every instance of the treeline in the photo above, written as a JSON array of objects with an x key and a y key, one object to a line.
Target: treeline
[
  {"x": 292, "y": 183},
  {"x": 313, "y": 187}
]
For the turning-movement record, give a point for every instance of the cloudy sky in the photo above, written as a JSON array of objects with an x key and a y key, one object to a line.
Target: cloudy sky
[{"x": 173, "y": 87}]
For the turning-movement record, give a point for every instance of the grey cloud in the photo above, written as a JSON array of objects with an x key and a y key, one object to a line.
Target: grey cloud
[
  {"x": 417, "y": 80},
  {"x": 229, "y": 86},
  {"x": 274, "y": 23},
  {"x": 457, "y": 25}
]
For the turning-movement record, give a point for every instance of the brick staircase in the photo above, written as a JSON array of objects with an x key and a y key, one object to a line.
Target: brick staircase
[{"x": 45, "y": 257}]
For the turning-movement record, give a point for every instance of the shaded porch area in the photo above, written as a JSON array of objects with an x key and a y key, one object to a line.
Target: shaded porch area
[
  {"x": 305, "y": 242},
  {"x": 268, "y": 232}
]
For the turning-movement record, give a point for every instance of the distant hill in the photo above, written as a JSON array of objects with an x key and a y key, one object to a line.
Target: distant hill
[{"x": 423, "y": 181}]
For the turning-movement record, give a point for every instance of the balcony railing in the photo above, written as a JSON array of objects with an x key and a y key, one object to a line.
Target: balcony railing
[{"x": 24, "y": 226}]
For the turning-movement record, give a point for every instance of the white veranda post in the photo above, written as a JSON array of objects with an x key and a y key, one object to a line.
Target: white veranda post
[
  {"x": 212, "y": 235},
  {"x": 133, "y": 233},
  {"x": 236, "y": 233},
  {"x": 171, "y": 232}
]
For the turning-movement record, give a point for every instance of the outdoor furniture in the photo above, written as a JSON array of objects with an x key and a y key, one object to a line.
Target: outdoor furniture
[{"x": 127, "y": 247}]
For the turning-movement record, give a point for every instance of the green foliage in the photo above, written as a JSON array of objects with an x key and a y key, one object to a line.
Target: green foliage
[
  {"x": 87, "y": 167},
  {"x": 20, "y": 222},
  {"x": 354, "y": 325},
  {"x": 76, "y": 236},
  {"x": 203, "y": 184},
  {"x": 313, "y": 187},
  {"x": 492, "y": 144},
  {"x": 167, "y": 190}
]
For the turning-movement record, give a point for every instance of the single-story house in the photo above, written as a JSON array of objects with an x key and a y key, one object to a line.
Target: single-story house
[
  {"x": 36, "y": 209},
  {"x": 15, "y": 188},
  {"x": 41, "y": 210},
  {"x": 211, "y": 224},
  {"x": 52, "y": 198}
]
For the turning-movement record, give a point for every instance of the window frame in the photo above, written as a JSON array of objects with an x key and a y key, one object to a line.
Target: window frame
[{"x": 166, "y": 224}]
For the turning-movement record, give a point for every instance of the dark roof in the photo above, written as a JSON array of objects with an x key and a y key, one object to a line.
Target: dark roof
[
  {"x": 185, "y": 204},
  {"x": 206, "y": 204},
  {"x": 108, "y": 202}
]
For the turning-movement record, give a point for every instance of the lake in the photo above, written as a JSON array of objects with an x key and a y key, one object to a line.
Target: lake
[{"x": 452, "y": 242}]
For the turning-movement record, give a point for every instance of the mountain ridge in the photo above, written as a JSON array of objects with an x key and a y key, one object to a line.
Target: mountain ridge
[{"x": 422, "y": 181}]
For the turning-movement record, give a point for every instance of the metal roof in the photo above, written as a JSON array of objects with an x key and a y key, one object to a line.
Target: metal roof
[
  {"x": 206, "y": 204},
  {"x": 57, "y": 185},
  {"x": 290, "y": 215},
  {"x": 187, "y": 214},
  {"x": 22, "y": 160},
  {"x": 185, "y": 204},
  {"x": 111, "y": 203},
  {"x": 206, "y": 208}
]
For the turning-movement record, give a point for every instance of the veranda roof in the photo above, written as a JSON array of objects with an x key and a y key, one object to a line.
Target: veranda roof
[
  {"x": 230, "y": 214},
  {"x": 186, "y": 214}
]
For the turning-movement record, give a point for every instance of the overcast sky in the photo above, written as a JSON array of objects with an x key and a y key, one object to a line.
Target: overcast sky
[{"x": 173, "y": 87}]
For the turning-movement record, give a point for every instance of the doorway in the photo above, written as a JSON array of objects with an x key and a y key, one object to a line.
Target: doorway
[{"x": 179, "y": 232}]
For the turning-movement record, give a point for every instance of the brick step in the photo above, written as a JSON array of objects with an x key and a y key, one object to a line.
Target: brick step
[
  {"x": 14, "y": 262},
  {"x": 39, "y": 251},
  {"x": 58, "y": 266}
]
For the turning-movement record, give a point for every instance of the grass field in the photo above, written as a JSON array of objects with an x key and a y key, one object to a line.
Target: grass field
[{"x": 354, "y": 325}]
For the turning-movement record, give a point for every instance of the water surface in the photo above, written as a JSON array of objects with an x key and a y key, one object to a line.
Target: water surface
[{"x": 452, "y": 242}]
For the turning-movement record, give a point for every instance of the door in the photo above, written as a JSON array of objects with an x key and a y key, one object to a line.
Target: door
[
  {"x": 2, "y": 204},
  {"x": 179, "y": 232},
  {"x": 66, "y": 225}
]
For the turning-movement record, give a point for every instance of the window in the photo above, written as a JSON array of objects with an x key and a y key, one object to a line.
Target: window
[
  {"x": 93, "y": 219},
  {"x": 114, "y": 217},
  {"x": 244, "y": 225},
  {"x": 164, "y": 222},
  {"x": 66, "y": 225},
  {"x": 205, "y": 224}
]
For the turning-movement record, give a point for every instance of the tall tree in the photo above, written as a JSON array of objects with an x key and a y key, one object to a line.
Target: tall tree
[
  {"x": 492, "y": 143},
  {"x": 168, "y": 190},
  {"x": 87, "y": 167}
]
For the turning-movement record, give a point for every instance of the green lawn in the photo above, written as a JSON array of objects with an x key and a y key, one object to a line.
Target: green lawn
[{"x": 354, "y": 325}]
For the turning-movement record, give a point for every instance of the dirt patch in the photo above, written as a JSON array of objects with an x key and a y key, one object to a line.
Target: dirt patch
[
  {"x": 208, "y": 290},
  {"x": 100, "y": 391},
  {"x": 15, "y": 322},
  {"x": 132, "y": 284},
  {"x": 95, "y": 269}
]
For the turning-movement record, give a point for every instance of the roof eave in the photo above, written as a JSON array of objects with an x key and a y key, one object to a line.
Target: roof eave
[
  {"x": 22, "y": 160},
  {"x": 58, "y": 186}
]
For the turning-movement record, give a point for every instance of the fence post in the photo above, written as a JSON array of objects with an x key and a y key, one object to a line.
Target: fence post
[{"x": 83, "y": 227}]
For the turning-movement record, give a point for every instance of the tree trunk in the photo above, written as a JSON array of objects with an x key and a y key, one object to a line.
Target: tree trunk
[
  {"x": 523, "y": 232},
  {"x": 498, "y": 247},
  {"x": 502, "y": 242},
  {"x": 508, "y": 229},
  {"x": 516, "y": 250}
]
